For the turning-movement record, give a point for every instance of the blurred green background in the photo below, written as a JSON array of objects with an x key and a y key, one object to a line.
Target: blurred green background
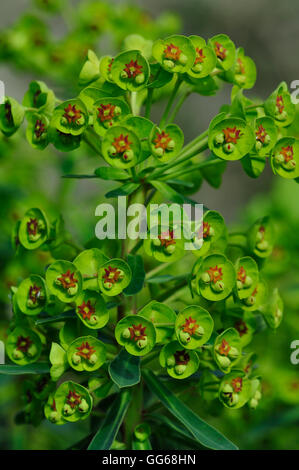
[{"x": 269, "y": 33}]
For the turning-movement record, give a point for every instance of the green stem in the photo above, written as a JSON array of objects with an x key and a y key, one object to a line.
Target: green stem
[
  {"x": 149, "y": 357},
  {"x": 178, "y": 106},
  {"x": 134, "y": 107},
  {"x": 192, "y": 168},
  {"x": 170, "y": 101},
  {"x": 149, "y": 102},
  {"x": 156, "y": 270}
]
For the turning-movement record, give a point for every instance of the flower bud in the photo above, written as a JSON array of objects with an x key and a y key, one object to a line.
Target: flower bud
[
  {"x": 219, "y": 138},
  {"x": 32, "y": 351},
  {"x": 159, "y": 152},
  {"x": 30, "y": 303},
  {"x": 183, "y": 59},
  {"x": 258, "y": 145},
  {"x": 109, "y": 76},
  {"x": 34, "y": 237},
  {"x": 233, "y": 353},
  {"x": 197, "y": 68},
  {"x": 248, "y": 281},
  {"x": 128, "y": 155},
  {"x": 224, "y": 361},
  {"x": 171, "y": 145},
  {"x": 170, "y": 362},
  {"x": 262, "y": 246},
  {"x": 168, "y": 63},
  {"x": 239, "y": 285},
  {"x": 76, "y": 359},
  {"x": 112, "y": 151},
  {"x": 290, "y": 165},
  {"x": 139, "y": 79},
  {"x": 218, "y": 286},
  {"x": 240, "y": 79},
  {"x": 64, "y": 121},
  {"x": 281, "y": 116},
  {"x": 257, "y": 395},
  {"x": 267, "y": 139},
  {"x": 83, "y": 407},
  {"x": 212, "y": 231},
  {"x": 54, "y": 416},
  {"x": 117, "y": 110},
  {"x": 18, "y": 355},
  {"x": 170, "y": 249},
  {"x": 205, "y": 277},
  {"x": 234, "y": 399},
  {"x": 80, "y": 121},
  {"x": 184, "y": 337},
  {"x": 156, "y": 242},
  {"x": 108, "y": 285},
  {"x": 93, "y": 320},
  {"x": 253, "y": 403},
  {"x": 108, "y": 124},
  {"x": 228, "y": 148},
  {"x": 121, "y": 274},
  {"x": 227, "y": 389},
  {"x": 41, "y": 224},
  {"x": 58, "y": 282},
  {"x": 180, "y": 369},
  {"x": 126, "y": 334},
  {"x": 93, "y": 359},
  {"x": 68, "y": 410},
  {"x": 141, "y": 343},
  {"x": 72, "y": 290},
  {"x": 199, "y": 332},
  {"x": 123, "y": 75},
  {"x": 279, "y": 159},
  {"x": 249, "y": 301}
]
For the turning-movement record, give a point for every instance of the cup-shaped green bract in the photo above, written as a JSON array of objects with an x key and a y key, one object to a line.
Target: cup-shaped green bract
[
  {"x": 215, "y": 278},
  {"x": 90, "y": 70},
  {"x": 142, "y": 127},
  {"x": 175, "y": 53},
  {"x": 256, "y": 298},
  {"x": 208, "y": 232},
  {"x": 130, "y": 70},
  {"x": 166, "y": 143},
  {"x": 23, "y": 346},
  {"x": 167, "y": 246},
  {"x": 64, "y": 280},
  {"x": 71, "y": 117},
  {"x": 11, "y": 116},
  {"x": 137, "y": 42},
  {"x": 273, "y": 309},
  {"x": 105, "y": 67},
  {"x": 280, "y": 107},
  {"x": 227, "y": 349},
  {"x": 231, "y": 139},
  {"x": 244, "y": 322},
  {"x": 65, "y": 142},
  {"x": 225, "y": 51},
  {"x": 108, "y": 112},
  {"x": 86, "y": 354},
  {"x": 194, "y": 326},
  {"x": 266, "y": 135},
  {"x": 246, "y": 363},
  {"x": 261, "y": 237},
  {"x": 285, "y": 158},
  {"x": 32, "y": 295},
  {"x": 91, "y": 309},
  {"x": 247, "y": 276},
  {"x": 58, "y": 359},
  {"x": 253, "y": 164},
  {"x": 98, "y": 91},
  {"x": 180, "y": 363},
  {"x": 37, "y": 131},
  {"x": 159, "y": 77},
  {"x": 71, "y": 330},
  {"x": 73, "y": 401},
  {"x": 89, "y": 262},
  {"x": 243, "y": 73},
  {"x": 137, "y": 334},
  {"x": 114, "y": 276},
  {"x": 121, "y": 147},
  {"x": 34, "y": 229},
  {"x": 51, "y": 412},
  {"x": 205, "y": 60},
  {"x": 39, "y": 96},
  {"x": 163, "y": 317},
  {"x": 235, "y": 390}
]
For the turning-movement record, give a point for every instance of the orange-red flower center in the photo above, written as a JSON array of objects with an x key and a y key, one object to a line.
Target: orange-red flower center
[
  {"x": 111, "y": 275},
  {"x": 133, "y": 69},
  {"x": 172, "y": 52},
  {"x": 106, "y": 112},
  {"x": 215, "y": 274},
  {"x": 162, "y": 140},
  {"x": 224, "y": 348},
  {"x": 121, "y": 143},
  {"x": 190, "y": 326},
  {"x": 231, "y": 135},
  {"x": 85, "y": 350},
  {"x": 39, "y": 128},
  {"x": 181, "y": 357},
  {"x": 23, "y": 343},
  {"x": 261, "y": 134},
  {"x": 86, "y": 309},
  {"x": 279, "y": 103},
  {"x": 206, "y": 230},
  {"x": 72, "y": 114},
  {"x": 199, "y": 56},
  {"x": 73, "y": 399},
  {"x": 32, "y": 227},
  {"x": 68, "y": 280},
  {"x": 220, "y": 51},
  {"x": 34, "y": 292},
  {"x": 167, "y": 238},
  {"x": 241, "y": 276},
  {"x": 137, "y": 332},
  {"x": 288, "y": 153},
  {"x": 237, "y": 384},
  {"x": 241, "y": 66}
]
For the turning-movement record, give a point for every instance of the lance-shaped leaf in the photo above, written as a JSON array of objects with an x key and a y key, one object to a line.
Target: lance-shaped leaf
[
  {"x": 58, "y": 359},
  {"x": 138, "y": 275},
  {"x": 202, "y": 431},
  {"x": 124, "y": 370},
  {"x": 108, "y": 430},
  {"x": 37, "y": 368}
]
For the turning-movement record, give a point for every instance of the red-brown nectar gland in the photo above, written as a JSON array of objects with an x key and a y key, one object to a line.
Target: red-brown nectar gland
[
  {"x": 215, "y": 274},
  {"x": 220, "y": 51},
  {"x": 206, "y": 230},
  {"x": 172, "y": 52},
  {"x": 199, "y": 59},
  {"x": 73, "y": 399},
  {"x": 261, "y": 134},
  {"x": 224, "y": 348},
  {"x": 231, "y": 135},
  {"x": 241, "y": 276},
  {"x": 132, "y": 69},
  {"x": 279, "y": 104},
  {"x": 106, "y": 112},
  {"x": 181, "y": 358},
  {"x": 72, "y": 115},
  {"x": 241, "y": 327},
  {"x": 121, "y": 146},
  {"x": 23, "y": 343},
  {"x": 162, "y": 140},
  {"x": 67, "y": 280},
  {"x": 237, "y": 384},
  {"x": 34, "y": 293},
  {"x": 32, "y": 227},
  {"x": 190, "y": 326},
  {"x": 286, "y": 158},
  {"x": 167, "y": 241},
  {"x": 39, "y": 129},
  {"x": 137, "y": 332},
  {"x": 86, "y": 310},
  {"x": 85, "y": 350},
  {"x": 111, "y": 276}
]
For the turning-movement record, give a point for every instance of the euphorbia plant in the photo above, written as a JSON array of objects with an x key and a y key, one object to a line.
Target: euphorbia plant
[{"x": 107, "y": 318}]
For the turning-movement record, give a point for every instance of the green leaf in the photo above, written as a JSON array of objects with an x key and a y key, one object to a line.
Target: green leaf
[
  {"x": 123, "y": 190},
  {"x": 169, "y": 193},
  {"x": 138, "y": 275},
  {"x": 166, "y": 278},
  {"x": 37, "y": 368},
  {"x": 109, "y": 428},
  {"x": 202, "y": 431},
  {"x": 56, "y": 318},
  {"x": 108, "y": 173},
  {"x": 124, "y": 370}
]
